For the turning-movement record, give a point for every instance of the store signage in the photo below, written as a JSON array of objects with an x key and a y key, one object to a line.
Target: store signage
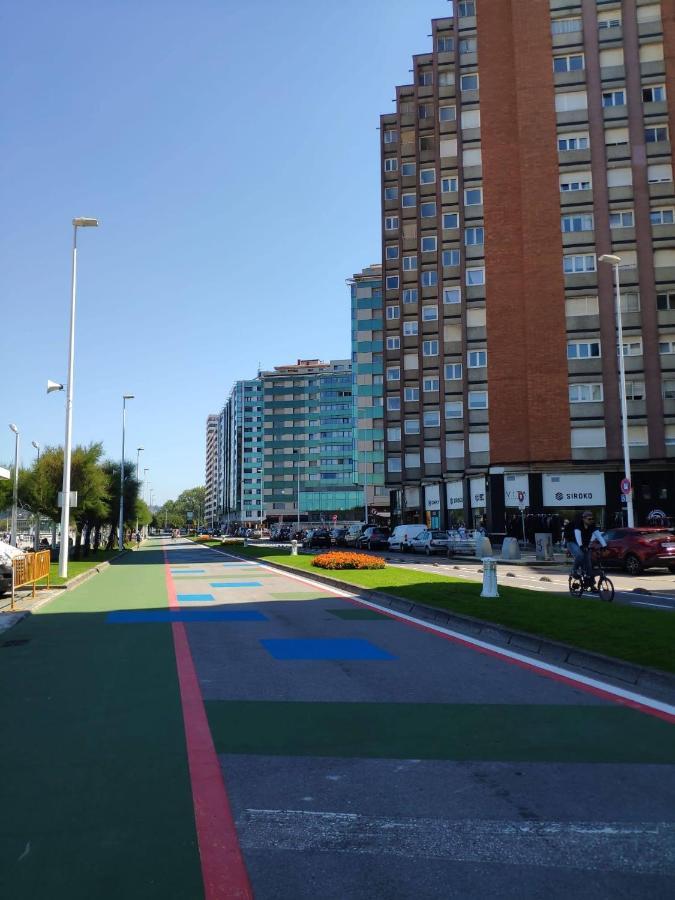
[
  {"x": 432, "y": 496},
  {"x": 574, "y": 489},
  {"x": 454, "y": 494},
  {"x": 478, "y": 491},
  {"x": 516, "y": 491}
]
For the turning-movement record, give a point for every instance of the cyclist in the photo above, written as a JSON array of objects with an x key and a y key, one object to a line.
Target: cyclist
[{"x": 585, "y": 533}]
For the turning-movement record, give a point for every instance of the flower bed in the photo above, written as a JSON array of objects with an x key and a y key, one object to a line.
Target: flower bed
[
  {"x": 232, "y": 541},
  {"x": 338, "y": 559}
]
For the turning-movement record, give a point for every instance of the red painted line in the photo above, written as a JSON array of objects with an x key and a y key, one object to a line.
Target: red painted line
[
  {"x": 223, "y": 869},
  {"x": 495, "y": 654}
]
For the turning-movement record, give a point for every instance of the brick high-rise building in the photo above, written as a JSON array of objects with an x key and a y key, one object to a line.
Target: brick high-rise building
[{"x": 535, "y": 137}]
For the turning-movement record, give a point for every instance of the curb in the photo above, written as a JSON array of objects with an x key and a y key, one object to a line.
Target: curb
[{"x": 556, "y": 652}]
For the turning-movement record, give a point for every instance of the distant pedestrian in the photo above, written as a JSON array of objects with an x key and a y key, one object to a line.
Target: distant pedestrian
[{"x": 138, "y": 539}]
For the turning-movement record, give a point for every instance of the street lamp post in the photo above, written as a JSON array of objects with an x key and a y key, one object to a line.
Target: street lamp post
[
  {"x": 615, "y": 261},
  {"x": 65, "y": 508},
  {"x": 36, "y": 542},
  {"x": 138, "y": 456},
  {"x": 120, "y": 535},
  {"x": 15, "y": 494}
]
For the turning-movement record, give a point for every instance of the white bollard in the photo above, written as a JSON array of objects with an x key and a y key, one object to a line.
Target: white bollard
[
  {"x": 489, "y": 578},
  {"x": 294, "y": 547}
]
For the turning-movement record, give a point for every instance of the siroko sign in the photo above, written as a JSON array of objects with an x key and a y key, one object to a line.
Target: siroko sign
[
  {"x": 432, "y": 496},
  {"x": 574, "y": 489},
  {"x": 516, "y": 491},
  {"x": 454, "y": 493},
  {"x": 478, "y": 491}
]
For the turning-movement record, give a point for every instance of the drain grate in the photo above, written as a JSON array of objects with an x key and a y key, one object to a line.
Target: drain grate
[{"x": 15, "y": 643}]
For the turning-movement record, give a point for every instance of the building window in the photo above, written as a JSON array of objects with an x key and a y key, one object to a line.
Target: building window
[
  {"x": 450, "y": 220},
  {"x": 453, "y": 409},
  {"x": 451, "y": 257},
  {"x": 429, "y": 385},
  {"x": 394, "y": 463},
  {"x": 409, "y": 329},
  {"x": 429, "y": 244},
  {"x": 665, "y": 302},
  {"x": 622, "y": 219},
  {"x": 426, "y": 144},
  {"x": 656, "y": 133},
  {"x": 391, "y": 223},
  {"x": 474, "y": 236},
  {"x": 430, "y": 348},
  {"x": 429, "y": 313},
  {"x": 391, "y": 164},
  {"x": 427, "y": 176},
  {"x": 431, "y": 418},
  {"x": 667, "y": 390},
  {"x": 446, "y": 78},
  {"x": 467, "y": 9},
  {"x": 390, "y": 137},
  {"x": 411, "y": 394},
  {"x": 655, "y": 93},
  {"x": 635, "y": 390},
  {"x": 392, "y": 251},
  {"x": 566, "y": 26},
  {"x": 473, "y": 196},
  {"x": 393, "y": 373},
  {"x": 573, "y": 142},
  {"x": 478, "y": 400},
  {"x": 614, "y": 98},
  {"x": 394, "y": 433},
  {"x": 444, "y": 44},
  {"x": 630, "y": 303},
  {"x": 576, "y": 222},
  {"x": 410, "y": 295},
  {"x": 429, "y": 278},
  {"x": 391, "y": 193},
  {"x": 574, "y": 62},
  {"x": 393, "y": 403},
  {"x": 575, "y": 183},
  {"x": 409, "y": 263},
  {"x": 610, "y": 19},
  {"x": 408, "y": 200},
  {"x": 411, "y": 426},
  {"x": 425, "y": 77},
  {"x": 662, "y": 216},
  {"x": 477, "y": 359},
  {"x": 667, "y": 345},
  {"x": 452, "y": 295},
  {"x": 475, "y": 276},
  {"x": 447, "y": 113},
  {"x": 469, "y": 82},
  {"x": 583, "y": 349},
  {"x": 393, "y": 312},
  {"x": 428, "y": 210},
  {"x": 449, "y": 185},
  {"x": 392, "y": 285},
  {"x": 453, "y": 372},
  {"x": 408, "y": 169},
  {"x": 425, "y": 111},
  {"x": 393, "y": 343},
  {"x": 632, "y": 348},
  {"x": 585, "y": 393},
  {"x": 575, "y": 264},
  {"x": 468, "y": 45}
]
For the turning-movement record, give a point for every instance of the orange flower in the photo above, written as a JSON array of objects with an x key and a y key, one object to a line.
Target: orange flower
[{"x": 338, "y": 559}]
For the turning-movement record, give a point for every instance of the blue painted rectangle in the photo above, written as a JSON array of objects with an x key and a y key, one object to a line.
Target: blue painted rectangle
[
  {"x": 221, "y": 584},
  {"x": 187, "y": 598},
  {"x": 188, "y": 571},
  {"x": 186, "y": 615},
  {"x": 320, "y": 648}
]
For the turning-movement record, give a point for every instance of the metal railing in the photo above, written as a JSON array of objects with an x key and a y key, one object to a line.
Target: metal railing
[{"x": 29, "y": 569}]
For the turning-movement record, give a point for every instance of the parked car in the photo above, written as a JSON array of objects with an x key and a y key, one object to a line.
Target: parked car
[
  {"x": 338, "y": 536},
  {"x": 636, "y": 549},
  {"x": 374, "y": 537},
  {"x": 429, "y": 542},
  {"x": 317, "y": 537},
  {"x": 7, "y": 553},
  {"x": 402, "y": 535},
  {"x": 354, "y": 532}
]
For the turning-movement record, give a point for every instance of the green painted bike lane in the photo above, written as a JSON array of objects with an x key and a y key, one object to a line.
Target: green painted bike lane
[{"x": 95, "y": 791}]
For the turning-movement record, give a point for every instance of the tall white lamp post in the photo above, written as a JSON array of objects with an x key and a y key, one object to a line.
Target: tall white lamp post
[
  {"x": 36, "y": 542},
  {"x": 120, "y": 535},
  {"x": 615, "y": 261},
  {"x": 15, "y": 494},
  {"x": 65, "y": 509},
  {"x": 138, "y": 456}
]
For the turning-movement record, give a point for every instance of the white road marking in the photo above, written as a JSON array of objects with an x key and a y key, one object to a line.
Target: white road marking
[
  {"x": 644, "y": 603},
  {"x": 593, "y": 684},
  {"x": 646, "y": 848}
]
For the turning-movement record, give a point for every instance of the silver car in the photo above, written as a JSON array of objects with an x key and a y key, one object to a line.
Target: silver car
[{"x": 429, "y": 542}]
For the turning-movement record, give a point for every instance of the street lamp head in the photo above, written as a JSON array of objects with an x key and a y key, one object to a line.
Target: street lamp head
[
  {"x": 85, "y": 223},
  {"x": 35, "y": 444},
  {"x": 53, "y": 386},
  {"x": 14, "y": 428},
  {"x": 138, "y": 449},
  {"x": 127, "y": 396},
  {"x": 610, "y": 258}
]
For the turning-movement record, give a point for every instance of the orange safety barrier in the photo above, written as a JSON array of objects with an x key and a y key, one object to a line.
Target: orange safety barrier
[{"x": 29, "y": 569}]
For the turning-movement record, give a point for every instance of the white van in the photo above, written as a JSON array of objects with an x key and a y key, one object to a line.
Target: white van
[{"x": 402, "y": 535}]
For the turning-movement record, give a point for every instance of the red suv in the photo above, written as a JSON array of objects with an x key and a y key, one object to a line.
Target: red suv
[{"x": 635, "y": 549}]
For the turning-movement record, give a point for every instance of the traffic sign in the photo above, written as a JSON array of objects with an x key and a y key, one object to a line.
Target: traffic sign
[{"x": 626, "y": 486}]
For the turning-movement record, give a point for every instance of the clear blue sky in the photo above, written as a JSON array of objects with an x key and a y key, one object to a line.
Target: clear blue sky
[{"x": 230, "y": 152}]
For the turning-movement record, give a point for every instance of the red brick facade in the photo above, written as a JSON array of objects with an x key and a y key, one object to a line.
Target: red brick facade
[{"x": 527, "y": 364}]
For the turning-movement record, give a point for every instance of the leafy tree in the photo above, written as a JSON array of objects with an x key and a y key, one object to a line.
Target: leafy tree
[{"x": 131, "y": 489}]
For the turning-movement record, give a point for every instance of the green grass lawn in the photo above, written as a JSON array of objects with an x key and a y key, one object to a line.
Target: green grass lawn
[
  {"x": 641, "y": 636},
  {"x": 77, "y": 566}
]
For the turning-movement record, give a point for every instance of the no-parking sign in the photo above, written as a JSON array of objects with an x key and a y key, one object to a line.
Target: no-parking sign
[{"x": 626, "y": 486}]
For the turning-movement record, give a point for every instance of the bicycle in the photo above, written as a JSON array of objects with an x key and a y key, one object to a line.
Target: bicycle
[{"x": 599, "y": 583}]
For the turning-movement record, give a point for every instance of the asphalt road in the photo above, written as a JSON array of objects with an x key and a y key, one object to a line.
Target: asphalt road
[{"x": 365, "y": 756}]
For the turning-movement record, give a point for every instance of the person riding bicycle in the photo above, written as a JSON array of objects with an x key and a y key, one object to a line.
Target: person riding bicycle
[{"x": 583, "y": 534}]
